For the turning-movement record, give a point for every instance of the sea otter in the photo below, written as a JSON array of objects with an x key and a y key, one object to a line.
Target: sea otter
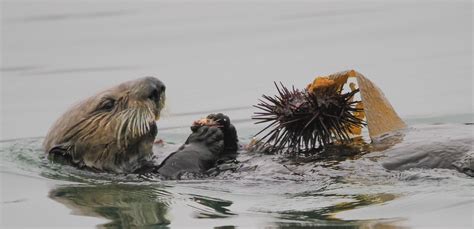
[{"x": 114, "y": 131}]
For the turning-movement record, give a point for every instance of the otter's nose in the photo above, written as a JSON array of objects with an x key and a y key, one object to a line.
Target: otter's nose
[
  {"x": 161, "y": 87},
  {"x": 154, "y": 88}
]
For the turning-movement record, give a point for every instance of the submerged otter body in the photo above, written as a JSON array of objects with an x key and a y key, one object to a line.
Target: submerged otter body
[
  {"x": 421, "y": 147},
  {"x": 438, "y": 146}
]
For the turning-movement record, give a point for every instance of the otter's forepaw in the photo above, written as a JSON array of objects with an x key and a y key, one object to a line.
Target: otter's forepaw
[
  {"x": 211, "y": 137},
  {"x": 230, "y": 133},
  {"x": 221, "y": 119}
]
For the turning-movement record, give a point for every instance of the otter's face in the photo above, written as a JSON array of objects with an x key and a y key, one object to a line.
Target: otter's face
[{"x": 111, "y": 131}]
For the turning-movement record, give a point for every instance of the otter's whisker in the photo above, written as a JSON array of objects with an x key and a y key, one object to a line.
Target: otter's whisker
[
  {"x": 146, "y": 121},
  {"x": 141, "y": 126},
  {"x": 122, "y": 125},
  {"x": 144, "y": 125},
  {"x": 129, "y": 130},
  {"x": 136, "y": 122},
  {"x": 133, "y": 125},
  {"x": 89, "y": 126}
]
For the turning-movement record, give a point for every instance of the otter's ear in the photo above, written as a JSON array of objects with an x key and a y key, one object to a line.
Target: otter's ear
[{"x": 60, "y": 154}]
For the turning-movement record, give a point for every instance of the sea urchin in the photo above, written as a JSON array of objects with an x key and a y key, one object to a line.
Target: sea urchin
[{"x": 301, "y": 120}]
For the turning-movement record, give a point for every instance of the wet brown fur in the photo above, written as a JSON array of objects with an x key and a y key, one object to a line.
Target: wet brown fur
[{"x": 111, "y": 131}]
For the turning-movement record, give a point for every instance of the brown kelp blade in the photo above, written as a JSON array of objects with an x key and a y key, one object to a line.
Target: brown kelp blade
[{"x": 381, "y": 118}]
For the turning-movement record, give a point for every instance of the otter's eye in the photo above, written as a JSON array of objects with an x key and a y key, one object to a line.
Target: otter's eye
[
  {"x": 107, "y": 104},
  {"x": 154, "y": 95}
]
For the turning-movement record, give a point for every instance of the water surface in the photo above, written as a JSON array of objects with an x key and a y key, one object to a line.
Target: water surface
[{"x": 221, "y": 56}]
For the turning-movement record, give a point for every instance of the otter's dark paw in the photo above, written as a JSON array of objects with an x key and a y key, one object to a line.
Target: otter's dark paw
[
  {"x": 222, "y": 119},
  {"x": 230, "y": 133},
  {"x": 211, "y": 137}
]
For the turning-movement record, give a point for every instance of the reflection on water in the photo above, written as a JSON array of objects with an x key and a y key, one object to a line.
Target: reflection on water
[
  {"x": 360, "y": 225},
  {"x": 125, "y": 205},
  {"x": 128, "y": 206},
  {"x": 323, "y": 216},
  {"x": 326, "y": 213},
  {"x": 219, "y": 208}
]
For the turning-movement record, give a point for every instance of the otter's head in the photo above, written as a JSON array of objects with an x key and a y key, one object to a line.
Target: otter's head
[{"x": 111, "y": 131}]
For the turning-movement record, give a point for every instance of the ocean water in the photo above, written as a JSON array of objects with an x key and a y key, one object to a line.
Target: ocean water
[{"x": 221, "y": 56}]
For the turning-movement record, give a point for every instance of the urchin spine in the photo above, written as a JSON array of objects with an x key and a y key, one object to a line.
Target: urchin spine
[{"x": 301, "y": 120}]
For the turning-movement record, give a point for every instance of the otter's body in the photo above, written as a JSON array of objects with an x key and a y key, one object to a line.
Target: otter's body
[{"x": 438, "y": 146}]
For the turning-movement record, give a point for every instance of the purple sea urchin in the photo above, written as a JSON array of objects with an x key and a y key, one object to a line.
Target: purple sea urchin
[{"x": 301, "y": 120}]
